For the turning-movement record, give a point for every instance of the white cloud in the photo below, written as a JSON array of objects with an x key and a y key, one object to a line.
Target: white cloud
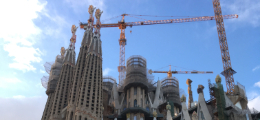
[
  {"x": 252, "y": 95},
  {"x": 257, "y": 84},
  {"x": 42, "y": 71},
  {"x": 254, "y": 103},
  {"x": 19, "y": 33},
  {"x": 247, "y": 10},
  {"x": 19, "y": 97},
  {"x": 13, "y": 84},
  {"x": 256, "y": 68},
  {"x": 106, "y": 71},
  {"x": 23, "y": 107},
  {"x": 9, "y": 82}
]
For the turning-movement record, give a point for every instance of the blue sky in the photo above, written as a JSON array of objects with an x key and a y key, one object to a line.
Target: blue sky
[{"x": 33, "y": 31}]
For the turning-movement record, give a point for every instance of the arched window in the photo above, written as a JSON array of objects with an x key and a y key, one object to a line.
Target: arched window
[
  {"x": 147, "y": 108},
  {"x": 135, "y": 90},
  {"x": 135, "y": 103}
]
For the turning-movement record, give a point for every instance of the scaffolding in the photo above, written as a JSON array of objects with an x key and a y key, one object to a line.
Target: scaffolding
[
  {"x": 44, "y": 81},
  {"x": 108, "y": 82},
  {"x": 47, "y": 66}
]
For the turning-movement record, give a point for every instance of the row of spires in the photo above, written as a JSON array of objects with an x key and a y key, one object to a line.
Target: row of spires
[{"x": 74, "y": 76}]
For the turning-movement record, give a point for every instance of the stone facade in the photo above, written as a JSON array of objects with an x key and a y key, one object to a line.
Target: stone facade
[
  {"x": 52, "y": 83},
  {"x": 64, "y": 83}
]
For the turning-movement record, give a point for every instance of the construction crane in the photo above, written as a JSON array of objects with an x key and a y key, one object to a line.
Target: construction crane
[
  {"x": 122, "y": 26},
  {"x": 170, "y": 72},
  {"x": 228, "y": 71}
]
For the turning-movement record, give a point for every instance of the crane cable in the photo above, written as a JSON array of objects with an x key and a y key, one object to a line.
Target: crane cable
[
  {"x": 110, "y": 18},
  {"x": 137, "y": 18},
  {"x": 159, "y": 16},
  {"x": 175, "y": 66}
]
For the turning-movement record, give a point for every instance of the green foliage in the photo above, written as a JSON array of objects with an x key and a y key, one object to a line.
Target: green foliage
[{"x": 172, "y": 107}]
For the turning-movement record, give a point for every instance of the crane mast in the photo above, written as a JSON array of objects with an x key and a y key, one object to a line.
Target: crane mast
[
  {"x": 228, "y": 71},
  {"x": 122, "y": 43}
]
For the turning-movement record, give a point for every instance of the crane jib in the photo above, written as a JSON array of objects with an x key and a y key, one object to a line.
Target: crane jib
[{"x": 167, "y": 21}]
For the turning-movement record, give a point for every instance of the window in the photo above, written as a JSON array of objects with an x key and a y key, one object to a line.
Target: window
[
  {"x": 71, "y": 115},
  {"x": 129, "y": 94},
  {"x": 202, "y": 116},
  {"x": 135, "y": 103},
  {"x": 147, "y": 108},
  {"x": 147, "y": 102},
  {"x": 141, "y": 92},
  {"x": 135, "y": 90},
  {"x": 129, "y": 105},
  {"x": 134, "y": 117},
  {"x": 141, "y": 102}
]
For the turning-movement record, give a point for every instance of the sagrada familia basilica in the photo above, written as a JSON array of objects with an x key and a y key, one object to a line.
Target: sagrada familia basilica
[{"x": 77, "y": 89}]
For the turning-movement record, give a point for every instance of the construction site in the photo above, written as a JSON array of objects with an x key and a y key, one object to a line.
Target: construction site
[{"x": 77, "y": 89}]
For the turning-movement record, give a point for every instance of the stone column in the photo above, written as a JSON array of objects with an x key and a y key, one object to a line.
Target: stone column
[
  {"x": 188, "y": 82},
  {"x": 185, "y": 113}
]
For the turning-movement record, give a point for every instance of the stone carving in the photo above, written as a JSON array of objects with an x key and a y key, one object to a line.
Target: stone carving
[
  {"x": 62, "y": 51},
  {"x": 74, "y": 29},
  {"x": 200, "y": 89},
  {"x": 194, "y": 116},
  {"x": 128, "y": 115},
  {"x": 91, "y": 9},
  {"x": 183, "y": 98},
  {"x": 168, "y": 107},
  {"x": 98, "y": 13},
  {"x": 218, "y": 79},
  {"x": 154, "y": 114}
]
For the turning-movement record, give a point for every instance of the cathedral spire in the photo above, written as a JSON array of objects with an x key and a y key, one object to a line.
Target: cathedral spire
[
  {"x": 95, "y": 43},
  {"x": 70, "y": 54},
  {"x": 89, "y": 28}
]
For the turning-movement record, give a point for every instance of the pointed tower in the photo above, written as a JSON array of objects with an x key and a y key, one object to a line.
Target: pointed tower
[
  {"x": 62, "y": 91},
  {"x": 188, "y": 82},
  {"x": 52, "y": 83},
  {"x": 89, "y": 101},
  {"x": 80, "y": 65},
  {"x": 87, "y": 84}
]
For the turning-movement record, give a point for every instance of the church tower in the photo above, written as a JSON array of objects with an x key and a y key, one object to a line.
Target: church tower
[
  {"x": 52, "y": 83},
  {"x": 65, "y": 80},
  {"x": 86, "y": 92}
]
